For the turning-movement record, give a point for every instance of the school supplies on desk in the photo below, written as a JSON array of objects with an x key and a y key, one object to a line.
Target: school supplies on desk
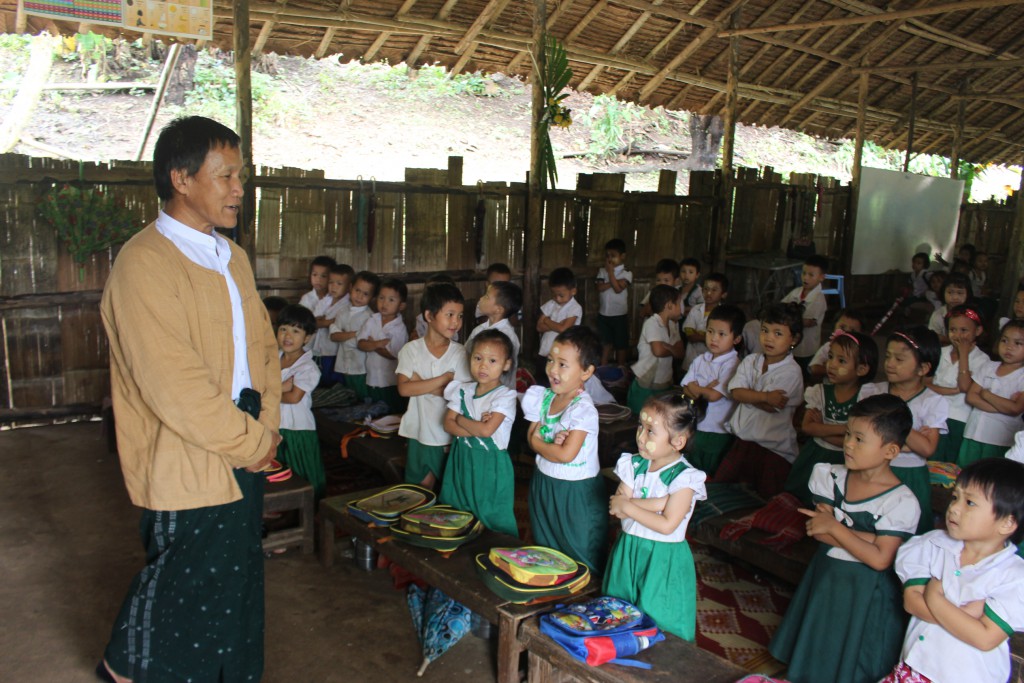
[
  {"x": 438, "y": 520},
  {"x": 601, "y": 630},
  {"x": 504, "y": 586},
  {"x": 385, "y": 508},
  {"x": 534, "y": 565}
]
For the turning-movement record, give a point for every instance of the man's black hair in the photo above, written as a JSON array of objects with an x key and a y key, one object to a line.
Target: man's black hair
[{"x": 183, "y": 145}]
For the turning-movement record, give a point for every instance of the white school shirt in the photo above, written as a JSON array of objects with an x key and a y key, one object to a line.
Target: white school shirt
[
  {"x": 919, "y": 283},
  {"x": 977, "y": 282},
  {"x": 929, "y": 410},
  {"x": 557, "y": 314},
  {"x": 310, "y": 299},
  {"x": 814, "y": 397},
  {"x": 653, "y": 372},
  {"x": 937, "y": 322},
  {"x": 213, "y": 252},
  {"x": 995, "y": 428},
  {"x": 933, "y": 299},
  {"x": 350, "y": 360},
  {"x": 598, "y": 394},
  {"x": 931, "y": 650},
  {"x": 424, "y": 418},
  {"x": 774, "y": 431},
  {"x": 691, "y": 299},
  {"x": 581, "y": 415},
  {"x": 380, "y": 371},
  {"x": 505, "y": 327},
  {"x": 501, "y": 399},
  {"x": 895, "y": 512},
  {"x": 814, "y": 307},
  {"x": 326, "y": 308},
  {"x": 634, "y": 472},
  {"x": 611, "y": 302},
  {"x": 1016, "y": 452},
  {"x": 704, "y": 370},
  {"x": 946, "y": 375},
  {"x": 306, "y": 375},
  {"x": 821, "y": 355},
  {"x": 697, "y": 320},
  {"x": 752, "y": 337},
  {"x": 421, "y": 326}
]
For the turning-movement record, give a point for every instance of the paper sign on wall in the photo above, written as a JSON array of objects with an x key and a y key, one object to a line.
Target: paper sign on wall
[{"x": 185, "y": 18}]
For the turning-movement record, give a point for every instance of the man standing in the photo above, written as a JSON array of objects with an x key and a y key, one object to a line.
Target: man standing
[{"x": 196, "y": 384}]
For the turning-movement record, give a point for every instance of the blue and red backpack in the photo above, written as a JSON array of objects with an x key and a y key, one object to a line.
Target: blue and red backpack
[{"x": 602, "y": 630}]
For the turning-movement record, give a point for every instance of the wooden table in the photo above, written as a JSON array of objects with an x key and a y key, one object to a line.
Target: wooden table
[
  {"x": 455, "y": 575},
  {"x": 386, "y": 454},
  {"x": 673, "y": 660},
  {"x": 294, "y": 493}
]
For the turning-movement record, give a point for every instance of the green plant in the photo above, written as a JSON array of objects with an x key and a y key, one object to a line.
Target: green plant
[
  {"x": 87, "y": 221},
  {"x": 609, "y": 117},
  {"x": 554, "y": 79}
]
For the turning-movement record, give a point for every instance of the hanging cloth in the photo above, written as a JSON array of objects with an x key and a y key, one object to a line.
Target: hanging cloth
[{"x": 371, "y": 217}]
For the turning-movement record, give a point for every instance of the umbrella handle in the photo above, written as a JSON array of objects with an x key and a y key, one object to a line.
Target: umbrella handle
[{"x": 423, "y": 666}]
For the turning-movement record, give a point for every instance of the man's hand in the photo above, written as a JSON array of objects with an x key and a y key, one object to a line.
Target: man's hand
[{"x": 262, "y": 464}]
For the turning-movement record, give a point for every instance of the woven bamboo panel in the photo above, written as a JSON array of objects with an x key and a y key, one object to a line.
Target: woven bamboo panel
[{"x": 426, "y": 222}]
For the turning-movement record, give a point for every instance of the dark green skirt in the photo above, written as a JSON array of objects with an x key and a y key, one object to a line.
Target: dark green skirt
[
  {"x": 300, "y": 450},
  {"x": 949, "y": 444},
  {"x": 481, "y": 481},
  {"x": 195, "y": 612},
  {"x": 571, "y": 516},
  {"x": 973, "y": 451},
  {"x": 800, "y": 476},
  {"x": 919, "y": 482},
  {"x": 421, "y": 460},
  {"x": 638, "y": 395},
  {"x": 845, "y": 623},
  {"x": 659, "y": 578},
  {"x": 706, "y": 450},
  {"x": 396, "y": 402},
  {"x": 357, "y": 383}
]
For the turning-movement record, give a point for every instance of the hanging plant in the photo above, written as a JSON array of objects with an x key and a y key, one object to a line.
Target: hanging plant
[
  {"x": 87, "y": 221},
  {"x": 554, "y": 79}
]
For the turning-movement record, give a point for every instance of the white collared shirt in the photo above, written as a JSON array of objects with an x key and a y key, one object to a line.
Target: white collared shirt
[
  {"x": 705, "y": 369},
  {"x": 814, "y": 307},
  {"x": 213, "y": 253},
  {"x": 774, "y": 431}
]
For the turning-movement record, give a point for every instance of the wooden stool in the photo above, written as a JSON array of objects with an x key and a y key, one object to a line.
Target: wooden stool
[{"x": 292, "y": 494}]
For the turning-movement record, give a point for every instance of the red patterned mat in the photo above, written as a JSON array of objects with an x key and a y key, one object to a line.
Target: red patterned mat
[{"x": 737, "y": 611}]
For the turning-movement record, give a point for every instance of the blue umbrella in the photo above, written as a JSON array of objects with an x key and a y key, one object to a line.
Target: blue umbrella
[{"x": 440, "y": 622}]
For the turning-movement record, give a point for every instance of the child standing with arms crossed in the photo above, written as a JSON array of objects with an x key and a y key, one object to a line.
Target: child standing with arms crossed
[
  {"x": 350, "y": 361},
  {"x": 963, "y": 586},
  {"x": 766, "y": 389},
  {"x": 568, "y": 509},
  {"x": 707, "y": 379},
  {"x": 425, "y": 367},
  {"x": 996, "y": 395},
  {"x": 325, "y": 349},
  {"x": 299, "y": 448},
  {"x": 381, "y": 337},
  {"x": 845, "y": 622},
  {"x": 659, "y": 344},
  {"x": 809, "y": 294},
  {"x": 952, "y": 378},
  {"x": 651, "y": 564},
  {"x": 955, "y": 292},
  {"x": 715, "y": 288},
  {"x": 613, "y": 303},
  {"x": 560, "y": 313},
  {"x": 479, "y": 475},
  {"x": 500, "y": 302}
]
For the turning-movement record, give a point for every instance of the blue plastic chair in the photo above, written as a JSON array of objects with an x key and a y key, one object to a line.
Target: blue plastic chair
[{"x": 837, "y": 289}]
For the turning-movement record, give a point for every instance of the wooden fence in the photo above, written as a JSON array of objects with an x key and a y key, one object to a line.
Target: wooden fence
[{"x": 54, "y": 356}]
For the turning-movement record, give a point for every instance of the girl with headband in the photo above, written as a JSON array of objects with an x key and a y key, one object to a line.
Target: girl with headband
[{"x": 996, "y": 395}]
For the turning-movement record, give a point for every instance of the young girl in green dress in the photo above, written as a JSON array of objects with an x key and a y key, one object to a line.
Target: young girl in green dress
[
  {"x": 567, "y": 495},
  {"x": 953, "y": 376},
  {"x": 300, "y": 448},
  {"x": 850, "y": 366},
  {"x": 651, "y": 564},
  {"x": 479, "y": 476},
  {"x": 845, "y": 623},
  {"x": 997, "y": 400}
]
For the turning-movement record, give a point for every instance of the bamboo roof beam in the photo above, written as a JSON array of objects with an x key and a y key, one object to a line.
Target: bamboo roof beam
[
  {"x": 325, "y": 42},
  {"x": 549, "y": 24},
  {"x": 379, "y": 41},
  {"x": 424, "y": 41},
  {"x": 619, "y": 44},
  {"x": 493, "y": 9},
  {"x": 655, "y": 51},
  {"x": 265, "y": 30},
  {"x": 585, "y": 21},
  {"x": 869, "y": 19},
  {"x": 982, "y": 64}
]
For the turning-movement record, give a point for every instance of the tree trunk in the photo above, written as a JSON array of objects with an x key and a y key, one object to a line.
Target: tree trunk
[
  {"x": 706, "y": 141},
  {"x": 37, "y": 73},
  {"x": 183, "y": 78}
]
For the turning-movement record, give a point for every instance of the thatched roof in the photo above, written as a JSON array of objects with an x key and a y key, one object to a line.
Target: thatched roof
[{"x": 799, "y": 59}]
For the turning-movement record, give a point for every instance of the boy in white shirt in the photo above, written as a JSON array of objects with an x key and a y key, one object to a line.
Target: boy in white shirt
[
  {"x": 500, "y": 302},
  {"x": 382, "y": 336},
  {"x": 666, "y": 272},
  {"x": 319, "y": 272},
  {"x": 425, "y": 367},
  {"x": 613, "y": 297},
  {"x": 809, "y": 294},
  {"x": 496, "y": 272},
  {"x": 659, "y": 344},
  {"x": 715, "y": 289},
  {"x": 350, "y": 362},
  {"x": 326, "y": 310},
  {"x": 561, "y": 312}
]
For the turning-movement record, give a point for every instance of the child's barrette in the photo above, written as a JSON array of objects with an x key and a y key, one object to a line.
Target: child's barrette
[
  {"x": 908, "y": 339},
  {"x": 968, "y": 313},
  {"x": 844, "y": 333}
]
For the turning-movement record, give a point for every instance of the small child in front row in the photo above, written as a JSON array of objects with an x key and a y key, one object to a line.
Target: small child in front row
[
  {"x": 350, "y": 362},
  {"x": 651, "y": 564},
  {"x": 809, "y": 294},
  {"x": 325, "y": 349},
  {"x": 425, "y": 367},
  {"x": 846, "y": 621},
  {"x": 479, "y": 475},
  {"x": 849, "y": 320},
  {"x": 381, "y": 337},
  {"x": 568, "y": 503},
  {"x": 953, "y": 378},
  {"x": 300, "y": 448},
  {"x": 963, "y": 586},
  {"x": 715, "y": 289},
  {"x": 767, "y": 389},
  {"x": 560, "y": 313},
  {"x": 613, "y": 281},
  {"x": 708, "y": 378},
  {"x": 852, "y": 364},
  {"x": 911, "y": 356},
  {"x": 996, "y": 397},
  {"x": 659, "y": 344},
  {"x": 500, "y": 303}
]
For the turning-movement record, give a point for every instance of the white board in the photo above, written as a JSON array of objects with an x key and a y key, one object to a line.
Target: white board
[{"x": 897, "y": 212}]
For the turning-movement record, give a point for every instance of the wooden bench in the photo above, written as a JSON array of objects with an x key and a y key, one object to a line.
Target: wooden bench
[
  {"x": 455, "y": 574},
  {"x": 294, "y": 493},
  {"x": 386, "y": 454},
  {"x": 674, "y": 660}
]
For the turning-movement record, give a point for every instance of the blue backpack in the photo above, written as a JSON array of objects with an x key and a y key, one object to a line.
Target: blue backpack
[{"x": 602, "y": 630}]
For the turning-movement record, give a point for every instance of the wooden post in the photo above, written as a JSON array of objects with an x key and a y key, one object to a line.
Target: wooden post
[
  {"x": 858, "y": 156},
  {"x": 910, "y": 127},
  {"x": 1011, "y": 274},
  {"x": 165, "y": 76},
  {"x": 21, "y": 19},
  {"x": 958, "y": 134},
  {"x": 245, "y": 232},
  {"x": 535, "y": 197},
  {"x": 728, "y": 146}
]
